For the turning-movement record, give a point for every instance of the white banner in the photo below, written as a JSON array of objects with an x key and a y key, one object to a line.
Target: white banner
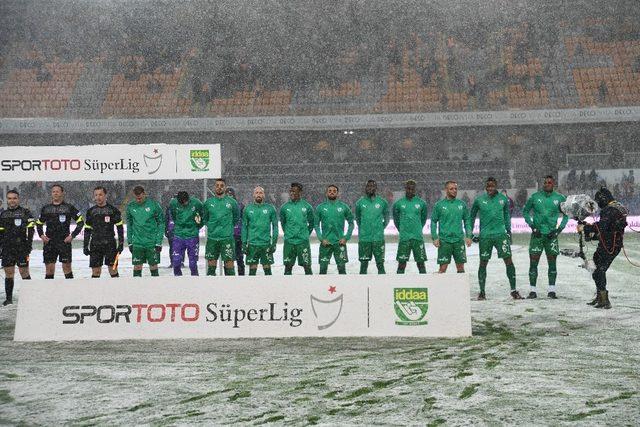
[
  {"x": 330, "y": 122},
  {"x": 434, "y": 305},
  {"x": 109, "y": 162}
]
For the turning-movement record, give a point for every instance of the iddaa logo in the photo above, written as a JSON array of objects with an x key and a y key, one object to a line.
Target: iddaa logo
[{"x": 411, "y": 305}]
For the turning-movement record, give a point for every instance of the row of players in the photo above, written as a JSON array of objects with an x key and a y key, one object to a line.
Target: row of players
[{"x": 451, "y": 231}]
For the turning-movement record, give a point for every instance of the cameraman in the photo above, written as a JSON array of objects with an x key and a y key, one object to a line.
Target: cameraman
[{"x": 609, "y": 231}]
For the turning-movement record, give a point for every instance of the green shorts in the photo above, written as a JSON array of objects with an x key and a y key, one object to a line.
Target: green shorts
[
  {"x": 368, "y": 250},
  {"x": 259, "y": 255},
  {"x": 221, "y": 248},
  {"x": 405, "y": 247},
  {"x": 543, "y": 243},
  {"x": 457, "y": 249},
  {"x": 501, "y": 243},
  {"x": 301, "y": 252},
  {"x": 140, "y": 255},
  {"x": 338, "y": 251}
]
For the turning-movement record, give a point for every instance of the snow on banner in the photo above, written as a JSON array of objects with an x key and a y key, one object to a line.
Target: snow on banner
[
  {"x": 435, "y": 305},
  {"x": 109, "y": 162}
]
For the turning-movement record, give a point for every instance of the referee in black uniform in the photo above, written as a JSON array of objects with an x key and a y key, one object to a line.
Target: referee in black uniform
[{"x": 57, "y": 217}]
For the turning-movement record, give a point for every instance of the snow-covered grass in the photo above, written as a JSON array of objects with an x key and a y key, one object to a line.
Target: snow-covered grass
[{"x": 529, "y": 362}]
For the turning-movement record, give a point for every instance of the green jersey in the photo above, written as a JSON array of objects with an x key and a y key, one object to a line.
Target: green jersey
[
  {"x": 220, "y": 214},
  {"x": 546, "y": 208},
  {"x": 145, "y": 224},
  {"x": 372, "y": 217},
  {"x": 495, "y": 219},
  {"x": 330, "y": 219},
  {"x": 447, "y": 220},
  {"x": 260, "y": 225},
  {"x": 297, "y": 220},
  {"x": 410, "y": 216},
  {"x": 187, "y": 219}
]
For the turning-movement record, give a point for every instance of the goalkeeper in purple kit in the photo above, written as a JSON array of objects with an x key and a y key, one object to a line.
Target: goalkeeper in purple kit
[{"x": 185, "y": 222}]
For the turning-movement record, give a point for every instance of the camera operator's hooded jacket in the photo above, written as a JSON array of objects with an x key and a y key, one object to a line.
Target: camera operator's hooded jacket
[{"x": 613, "y": 220}]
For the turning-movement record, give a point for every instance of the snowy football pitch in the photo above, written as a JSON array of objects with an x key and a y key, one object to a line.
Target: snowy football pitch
[{"x": 529, "y": 362}]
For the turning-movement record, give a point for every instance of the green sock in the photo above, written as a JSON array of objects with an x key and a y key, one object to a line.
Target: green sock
[
  {"x": 400, "y": 270},
  {"x": 511, "y": 275},
  {"x": 288, "y": 270},
  {"x": 324, "y": 268},
  {"x": 137, "y": 273},
  {"x": 267, "y": 271},
  {"x": 363, "y": 267},
  {"x": 553, "y": 272},
  {"x": 229, "y": 271},
  {"x": 253, "y": 271},
  {"x": 307, "y": 270},
  {"x": 422, "y": 269},
  {"x": 482, "y": 277},
  {"x": 342, "y": 269},
  {"x": 155, "y": 273},
  {"x": 533, "y": 272},
  {"x": 380, "y": 266},
  {"x": 211, "y": 270}
]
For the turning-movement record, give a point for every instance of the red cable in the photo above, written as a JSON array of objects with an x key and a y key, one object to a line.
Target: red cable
[{"x": 613, "y": 247}]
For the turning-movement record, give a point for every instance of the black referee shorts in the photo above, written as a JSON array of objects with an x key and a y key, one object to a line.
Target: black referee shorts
[
  {"x": 15, "y": 256},
  {"x": 56, "y": 250},
  {"x": 102, "y": 254}
]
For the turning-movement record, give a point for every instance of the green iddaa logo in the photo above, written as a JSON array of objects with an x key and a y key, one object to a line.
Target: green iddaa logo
[
  {"x": 199, "y": 160},
  {"x": 411, "y": 305}
]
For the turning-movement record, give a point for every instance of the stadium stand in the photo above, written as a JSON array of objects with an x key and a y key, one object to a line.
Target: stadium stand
[{"x": 560, "y": 64}]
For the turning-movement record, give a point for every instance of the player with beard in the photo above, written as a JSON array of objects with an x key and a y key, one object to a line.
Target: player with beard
[
  {"x": 57, "y": 217},
  {"x": 330, "y": 219},
  {"x": 545, "y": 205},
  {"x": 298, "y": 220},
  {"x": 99, "y": 240},
  {"x": 372, "y": 217},
  {"x": 259, "y": 233},
  {"x": 145, "y": 231},
  {"x": 220, "y": 213},
  {"x": 410, "y": 216},
  {"x": 609, "y": 231},
  {"x": 495, "y": 231},
  {"x": 185, "y": 223},
  {"x": 16, "y": 241}
]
